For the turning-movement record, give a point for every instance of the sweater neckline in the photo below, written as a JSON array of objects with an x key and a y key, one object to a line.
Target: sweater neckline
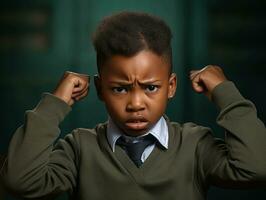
[
  {"x": 136, "y": 172},
  {"x": 125, "y": 163}
]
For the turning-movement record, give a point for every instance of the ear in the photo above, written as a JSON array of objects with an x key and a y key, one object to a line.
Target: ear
[
  {"x": 97, "y": 83},
  {"x": 172, "y": 85}
]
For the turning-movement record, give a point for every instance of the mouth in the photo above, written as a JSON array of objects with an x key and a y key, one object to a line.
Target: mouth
[{"x": 137, "y": 123}]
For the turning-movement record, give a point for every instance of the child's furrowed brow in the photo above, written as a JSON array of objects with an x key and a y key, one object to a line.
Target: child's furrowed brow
[
  {"x": 149, "y": 82},
  {"x": 128, "y": 83},
  {"x": 120, "y": 82}
]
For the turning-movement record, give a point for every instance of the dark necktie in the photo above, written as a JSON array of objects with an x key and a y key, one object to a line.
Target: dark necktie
[{"x": 135, "y": 150}]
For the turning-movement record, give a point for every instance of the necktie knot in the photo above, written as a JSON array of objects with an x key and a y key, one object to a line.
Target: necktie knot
[{"x": 134, "y": 149}]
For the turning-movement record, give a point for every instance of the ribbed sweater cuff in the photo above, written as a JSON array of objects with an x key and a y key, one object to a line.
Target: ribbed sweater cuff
[
  {"x": 225, "y": 94},
  {"x": 52, "y": 107}
]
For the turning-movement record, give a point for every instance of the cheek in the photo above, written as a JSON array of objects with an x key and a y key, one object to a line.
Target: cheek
[
  {"x": 158, "y": 103},
  {"x": 115, "y": 106}
]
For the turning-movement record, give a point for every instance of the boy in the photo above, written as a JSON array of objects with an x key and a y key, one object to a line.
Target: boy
[{"x": 138, "y": 153}]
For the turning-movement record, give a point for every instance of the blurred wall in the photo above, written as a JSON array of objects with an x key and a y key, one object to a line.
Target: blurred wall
[{"x": 41, "y": 39}]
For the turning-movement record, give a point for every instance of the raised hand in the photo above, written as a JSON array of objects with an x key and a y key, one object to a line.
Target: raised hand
[
  {"x": 206, "y": 79},
  {"x": 72, "y": 87}
]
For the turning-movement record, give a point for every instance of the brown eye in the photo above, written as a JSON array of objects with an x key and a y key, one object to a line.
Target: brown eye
[
  {"x": 151, "y": 88},
  {"x": 119, "y": 90}
]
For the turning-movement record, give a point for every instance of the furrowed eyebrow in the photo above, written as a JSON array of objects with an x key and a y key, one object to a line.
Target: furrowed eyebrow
[
  {"x": 149, "y": 82},
  {"x": 145, "y": 82},
  {"x": 123, "y": 83}
]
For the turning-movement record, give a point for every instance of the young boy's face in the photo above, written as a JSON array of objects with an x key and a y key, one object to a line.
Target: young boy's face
[{"x": 135, "y": 90}]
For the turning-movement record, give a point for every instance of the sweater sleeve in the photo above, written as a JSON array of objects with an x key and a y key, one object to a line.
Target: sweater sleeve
[
  {"x": 239, "y": 160},
  {"x": 35, "y": 166}
]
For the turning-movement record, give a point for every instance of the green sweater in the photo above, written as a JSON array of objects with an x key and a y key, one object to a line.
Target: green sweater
[{"x": 84, "y": 165}]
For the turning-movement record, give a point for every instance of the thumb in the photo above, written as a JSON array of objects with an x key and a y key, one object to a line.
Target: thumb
[
  {"x": 198, "y": 85},
  {"x": 79, "y": 85}
]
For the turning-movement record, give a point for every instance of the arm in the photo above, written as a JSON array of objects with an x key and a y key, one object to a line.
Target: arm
[
  {"x": 36, "y": 167},
  {"x": 239, "y": 161}
]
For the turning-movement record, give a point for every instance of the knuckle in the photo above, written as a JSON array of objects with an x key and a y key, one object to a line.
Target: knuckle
[
  {"x": 208, "y": 66},
  {"x": 66, "y": 73},
  {"x": 69, "y": 74},
  {"x": 211, "y": 67},
  {"x": 73, "y": 78},
  {"x": 217, "y": 67}
]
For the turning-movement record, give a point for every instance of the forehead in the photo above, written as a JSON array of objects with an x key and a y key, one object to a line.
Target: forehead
[{"x": 144, "y": 65}]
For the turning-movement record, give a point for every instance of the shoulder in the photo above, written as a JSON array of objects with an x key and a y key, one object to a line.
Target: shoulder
[
  {"x": 88, "y": 133},
  {"x": 83, "y": 140},
  {"x": 87, "y": 139},
  {"x": 189, "y": 131},
  {"x": 193, "y": 128}
]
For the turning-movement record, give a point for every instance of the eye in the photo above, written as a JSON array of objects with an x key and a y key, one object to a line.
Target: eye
[
  {"x": 120, "y": 90},
  {"x": 151, "y": 88}
]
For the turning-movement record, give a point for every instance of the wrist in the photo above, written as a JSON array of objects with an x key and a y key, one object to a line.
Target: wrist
[
  {"x": 225, "y": 94},
  {"x": 215, "y": 83},
  {"x": 62, "y": 97}
]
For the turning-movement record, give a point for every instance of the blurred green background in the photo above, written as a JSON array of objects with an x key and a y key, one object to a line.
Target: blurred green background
[{"x": 39, "y": 40}]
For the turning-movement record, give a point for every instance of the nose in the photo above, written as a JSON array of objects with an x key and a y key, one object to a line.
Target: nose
[{"x": 135, "y": 102}]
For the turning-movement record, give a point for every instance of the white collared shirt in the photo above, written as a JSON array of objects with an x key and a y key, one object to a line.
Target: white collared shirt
[{"x": 159, "y": 131}]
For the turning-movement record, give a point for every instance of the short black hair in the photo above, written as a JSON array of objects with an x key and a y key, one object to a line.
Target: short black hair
[{"x": 127, "y": 33}]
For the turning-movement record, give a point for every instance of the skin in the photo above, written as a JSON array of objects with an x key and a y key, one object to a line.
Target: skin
[
  {"x": 72, "y": 87},
  {"x": 136, "y": 89},
  {"x": 206, "y": 79}
]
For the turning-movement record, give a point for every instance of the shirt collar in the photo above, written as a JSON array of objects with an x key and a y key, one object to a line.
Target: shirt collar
[{"x": 159, "y": 131}]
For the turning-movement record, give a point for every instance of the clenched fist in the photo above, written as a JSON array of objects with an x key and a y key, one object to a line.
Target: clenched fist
[
  {"x": 72, "y": 87},
  {"x": 206, "y": 79}
]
